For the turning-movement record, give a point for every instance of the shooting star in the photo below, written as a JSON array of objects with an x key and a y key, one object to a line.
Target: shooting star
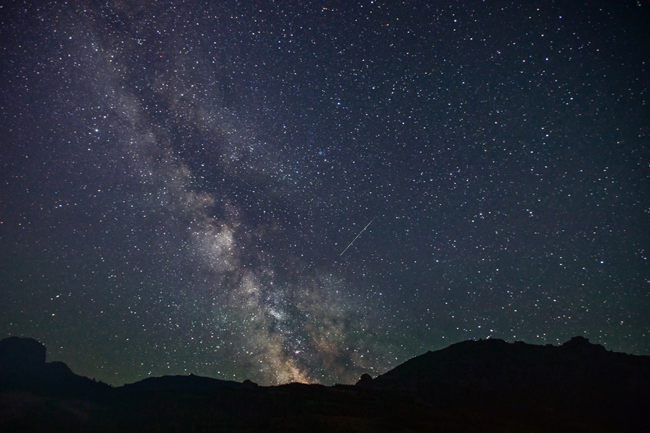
[
  {"x": 350, "y": 244},
  {"x": 538, "y": 277}
]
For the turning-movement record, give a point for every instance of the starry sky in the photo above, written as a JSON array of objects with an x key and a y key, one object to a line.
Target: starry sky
[{"x": 308, "y": 191}]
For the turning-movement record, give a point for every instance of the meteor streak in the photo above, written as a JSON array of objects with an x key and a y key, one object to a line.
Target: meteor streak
[{"x": 350, "y": 244}]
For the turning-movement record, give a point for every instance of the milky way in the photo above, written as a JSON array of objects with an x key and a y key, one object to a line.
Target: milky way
[{"x": 179, "y": 180}]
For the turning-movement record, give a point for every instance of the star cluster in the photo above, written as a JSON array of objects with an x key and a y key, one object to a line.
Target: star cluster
[{"x": 180, "y": 182}]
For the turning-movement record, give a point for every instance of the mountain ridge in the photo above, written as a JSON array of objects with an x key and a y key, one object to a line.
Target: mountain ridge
[
  {"x": 472, "y": 385},
  {"x": 578, "y": 378}
]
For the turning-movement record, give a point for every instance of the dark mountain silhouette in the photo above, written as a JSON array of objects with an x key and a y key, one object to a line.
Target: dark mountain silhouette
[
  {"x": 471, "y": 386},
  {"x": 19, "y": 355},
  {"x": 185, "y": 383},
  {"x": 23, "y": 368},
  {"x": 578, "y": 379}
]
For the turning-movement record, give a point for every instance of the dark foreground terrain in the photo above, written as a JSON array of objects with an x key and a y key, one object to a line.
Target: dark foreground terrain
[{"x": 473, "y": 386}]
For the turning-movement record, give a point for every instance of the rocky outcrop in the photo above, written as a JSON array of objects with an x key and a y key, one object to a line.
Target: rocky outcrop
[
  {"x": 21, "y": 355},
  {"x": 23, "y": 368},
  {"x": 365, "y": 381}
]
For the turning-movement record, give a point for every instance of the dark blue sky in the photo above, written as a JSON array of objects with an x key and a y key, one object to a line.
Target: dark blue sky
[{"x": 179, "y": 179}]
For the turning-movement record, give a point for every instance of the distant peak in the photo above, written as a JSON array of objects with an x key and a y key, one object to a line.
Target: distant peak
[
  {"x": 21, "y": 354},
  {"x": 579, "y": 342}
]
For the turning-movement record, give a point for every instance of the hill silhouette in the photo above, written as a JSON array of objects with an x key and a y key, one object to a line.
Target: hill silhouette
[
  {"x": 578, "y": 380},
  {"x": 487, "y": 385},
  {"x": 185, "y": 383}
]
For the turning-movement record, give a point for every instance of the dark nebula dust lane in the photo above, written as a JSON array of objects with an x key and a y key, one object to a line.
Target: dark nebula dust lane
[{"x": 307, "y": 192}]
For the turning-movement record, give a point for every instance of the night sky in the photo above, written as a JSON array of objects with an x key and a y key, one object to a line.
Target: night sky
[{"x": 179, "y": 182}]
